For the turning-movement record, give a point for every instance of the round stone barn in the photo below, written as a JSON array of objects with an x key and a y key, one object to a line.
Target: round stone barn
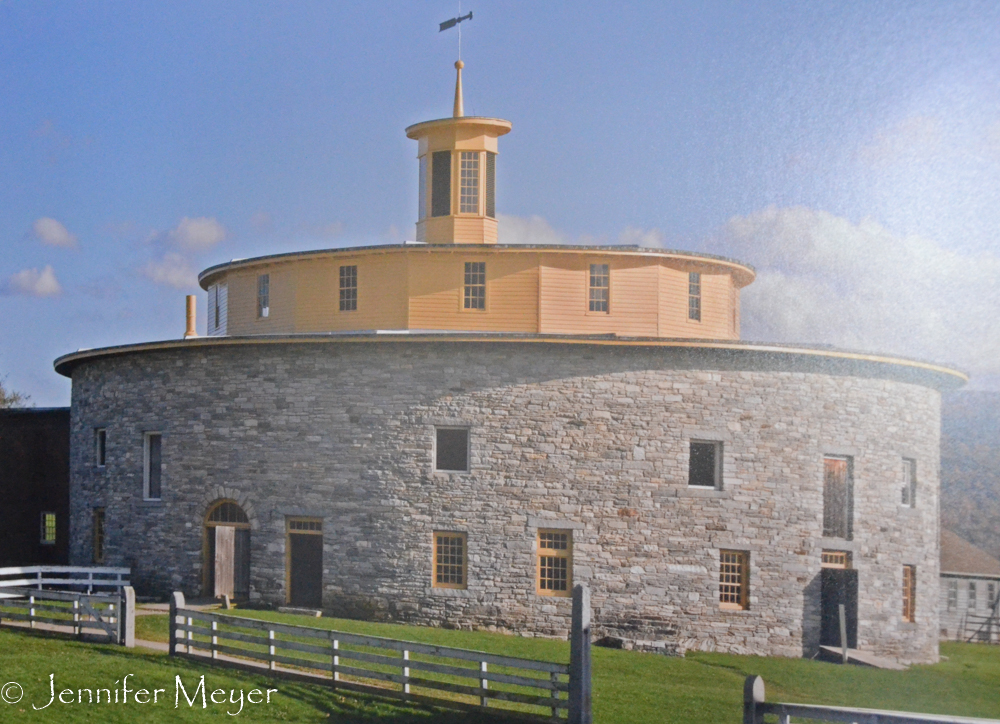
[{"x": 454, "y": 432}]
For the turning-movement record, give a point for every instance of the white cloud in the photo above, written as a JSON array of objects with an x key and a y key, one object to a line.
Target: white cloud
[
  {"x": 197, "y": 234},
  {"x": 34, "y": 283},
  {"x": 649, "y": 238},
  {"x": 915, "y": 138},
  {"x": 172, "y": 270},
  {"x": 823, "y": 278},
  {"x": 262, "y": 222},
  {"x": 528, "y": 230},
  {"x": 51, "y": 232}
]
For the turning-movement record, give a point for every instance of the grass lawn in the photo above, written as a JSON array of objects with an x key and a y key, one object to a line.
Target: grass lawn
[{"x": 628, "y": 687}]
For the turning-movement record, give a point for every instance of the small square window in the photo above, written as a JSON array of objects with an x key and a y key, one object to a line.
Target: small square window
[
  {"x": 734, "y": 579},
  {"x": 705, "y": 465},
  {"x": 451, "y": 452},
  {"x": 101, "y": 446},
  {"x": 48, "y": 529},
  {"x": 450, "y": 560},
  {"x": 152, "y": 473}
]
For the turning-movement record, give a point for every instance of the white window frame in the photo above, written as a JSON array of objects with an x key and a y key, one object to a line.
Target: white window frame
[{"x": 146, "y": 464}]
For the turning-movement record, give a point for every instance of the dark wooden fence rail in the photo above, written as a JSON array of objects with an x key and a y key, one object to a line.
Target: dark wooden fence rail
[
  {"x": 755, "y": 708},
  {"x": 438, "y": 675},
  {"x": 100, "y": 614}
]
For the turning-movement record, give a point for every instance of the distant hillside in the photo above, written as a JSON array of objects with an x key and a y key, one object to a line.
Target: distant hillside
[{"x": 970, "y": 467}]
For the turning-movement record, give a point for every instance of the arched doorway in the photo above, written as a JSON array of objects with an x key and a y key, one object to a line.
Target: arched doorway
[{"x": 227, "y": 551}]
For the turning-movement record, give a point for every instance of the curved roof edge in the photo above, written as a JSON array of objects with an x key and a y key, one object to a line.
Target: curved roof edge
[
  {"x": 205, "y": 276},
  {"x": 799, "y": 357}
]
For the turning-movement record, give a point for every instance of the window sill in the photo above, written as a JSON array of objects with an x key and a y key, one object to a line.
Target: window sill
[
  {"x": 450, "y": 592},
  {"x": 838, "y": 544},
  {"x": 151, "y": 502},
  {"x": 697, "y": 491}
]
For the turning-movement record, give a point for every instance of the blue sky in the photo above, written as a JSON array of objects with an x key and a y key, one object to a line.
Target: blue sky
[{"x": 850, "y": 151}]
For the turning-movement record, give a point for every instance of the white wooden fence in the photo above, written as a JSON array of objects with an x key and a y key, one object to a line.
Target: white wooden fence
[
  {"x": 73, "y": 577},
  {"x": 427, "y": 673},
  {"x": 105, "y": 615},
  {"x": 755, "y": 708}
]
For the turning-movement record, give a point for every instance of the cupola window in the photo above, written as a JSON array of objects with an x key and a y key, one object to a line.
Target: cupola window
[
  {"x": 263, "y": 295},
  {"x": 491, "y": 185},
  {"x": 469, "y": 189},
  {"x": 441, "y": 183},
  {"x": 694, "y": 296},
  {"x": 348, "y": 288}
]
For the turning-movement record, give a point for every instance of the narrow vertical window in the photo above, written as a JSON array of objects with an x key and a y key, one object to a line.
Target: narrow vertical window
[
  {"x": 909, "y": 490},
  {"x": 98, "y": 535},
  {"x": 952, "y": 595},
  {"x": 451, "y": 449},
  {"x": 837, "y": 497},
  {"x": 469, "y": 188},
  {"x": 694, "y": 296},
  {"x": 48, "y": 536},
  {"x": 705, "y": 465},
  {"x": 491, "y": 185},
  {"x": 213, "y": 307},
  {"x": 600, "y": 282},
  {"x": 101, "y": 447},
  {"x": 734, "y": 579},
  {"x": 991, "y": 594},
  {"x": 450, "y": 560},
  {"x": 475, "y": 285},
  {"x": 422, "y": 191},
  {"x": 263, "y": 295},
  {"x": 441, "y": 183},
  {"x": 153, "y": 465},
  {"x": 348, "y": 288},
  {"x": 970, "y": 601},
  {"x": 555, "y": 562},
  {"x": 909, "y": 593}
]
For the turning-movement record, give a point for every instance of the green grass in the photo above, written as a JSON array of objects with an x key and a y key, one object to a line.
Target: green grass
[{"x": 628, "y": 686}]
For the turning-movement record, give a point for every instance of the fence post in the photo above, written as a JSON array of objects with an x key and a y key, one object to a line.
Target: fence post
[
  {"x": 484, "y": 684},
  {"x": 579, "y": 658},
  {"x": 334, "y": 663},
  {"x": 406, "y": 672},
  {"x": 31, "y": 612},
  {"x": 270, "y": 650},
  {"x": 77, "y": 628},
  {"x": 554, "y": 680},
  {"x": 176, "y": 602},
  {"x": 215, "y": 639},
  {"x": 126, "y": 618},
  {"x": 843, "y": 632},
  {"x": 753, "y": 694}
]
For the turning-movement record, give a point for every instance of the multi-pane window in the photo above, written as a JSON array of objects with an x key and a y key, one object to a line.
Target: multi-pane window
[
  {"x": 600, "y": 286},
  {"x": 838, "y": 492},
  {"x": 152, "y": 465},
  {"x": 475, "y": 285},
  {"x": 705, "y": 465},
  {"x": 971, "y": 599},
  {"x": 263, "y": 295},
  {"x": 555, "y": 562},
  {"x": 48, "y": 536},
  {"x": 952, "y": 595},
  {"x": 469, "y": 183},
  {"x": 450, "y": 560},
  {"x": 305, "y": 525},
  {"x": 909, "y": 593},
  {"x": 98, "y": 535},
  {"x": 451, "y": 449},
  {"x": 836, "y": 559},
  {"x": 101, "y": 446},
  {"x": 348, "y": 288},
  {"x": 694, "y": 296},
  {"x": 734, "y": 579},
  {"x": 909, "y": 491}
]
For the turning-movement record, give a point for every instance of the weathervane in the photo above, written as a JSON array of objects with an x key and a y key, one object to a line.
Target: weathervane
[{"x": 459, "y": 109}]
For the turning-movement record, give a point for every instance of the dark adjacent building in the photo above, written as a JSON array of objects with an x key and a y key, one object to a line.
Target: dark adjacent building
[{"x": 34, "y": 486}]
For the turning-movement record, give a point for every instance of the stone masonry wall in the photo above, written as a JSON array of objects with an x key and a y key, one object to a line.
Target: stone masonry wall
[{"x": 589, "y": 438}]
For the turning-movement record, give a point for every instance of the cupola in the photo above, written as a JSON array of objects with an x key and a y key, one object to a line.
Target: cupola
[{"x": 458, "y": 160}]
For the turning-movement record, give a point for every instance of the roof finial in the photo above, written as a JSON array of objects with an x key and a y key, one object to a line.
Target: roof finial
[{"x": 459, "y": 107}]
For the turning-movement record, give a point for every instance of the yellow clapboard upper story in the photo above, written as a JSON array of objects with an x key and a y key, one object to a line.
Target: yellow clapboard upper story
[{"x": 456, "y": 277}]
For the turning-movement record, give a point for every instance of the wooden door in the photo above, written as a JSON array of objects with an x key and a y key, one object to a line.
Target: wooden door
[
  {"x": 838, "y": 586},
  {"x": 306, "y": 575},
  {"x": 225, "y": 553}
]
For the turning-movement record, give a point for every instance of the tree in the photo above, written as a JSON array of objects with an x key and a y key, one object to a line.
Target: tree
[{"x": 10, "y": 398}]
